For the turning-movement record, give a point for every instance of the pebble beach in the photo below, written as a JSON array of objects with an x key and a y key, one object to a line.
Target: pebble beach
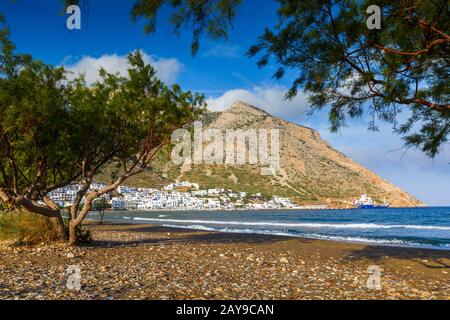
[{"x": 129, "y": 261}]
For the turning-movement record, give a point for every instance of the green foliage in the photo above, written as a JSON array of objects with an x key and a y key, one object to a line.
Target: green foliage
[
  {"x": 212, "y": 17},
  {"x": 101, "y": 204},
  {"x": 355, "y": 71},
  {"x": 83, "y": 235},
  {"x": 25, "y": 228},
  {"x": 33, "y": 122}
]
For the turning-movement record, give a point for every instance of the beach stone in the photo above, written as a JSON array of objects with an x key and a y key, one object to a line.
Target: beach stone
[{"x": 284, "y": 260}]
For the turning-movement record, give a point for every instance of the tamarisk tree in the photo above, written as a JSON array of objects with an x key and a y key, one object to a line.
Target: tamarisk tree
[
  {"x": 126, "y": 120},
  {"x": 55, "y": 132}
]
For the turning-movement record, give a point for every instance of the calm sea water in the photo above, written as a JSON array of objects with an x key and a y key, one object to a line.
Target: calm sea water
[{"x": 414, "y": 227}]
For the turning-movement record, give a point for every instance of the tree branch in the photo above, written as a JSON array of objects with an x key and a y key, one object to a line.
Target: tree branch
[{"x": 417, "y": 53}]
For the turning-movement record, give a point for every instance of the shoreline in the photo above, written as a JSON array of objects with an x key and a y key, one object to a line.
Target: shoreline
[
  {"x": 335, "y": 238},
  {"x": 243, "y": 235},
  {"x": 342, "y": 241}
]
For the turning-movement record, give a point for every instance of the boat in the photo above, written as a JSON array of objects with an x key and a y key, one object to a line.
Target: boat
[{"x": 366, "y": 202}]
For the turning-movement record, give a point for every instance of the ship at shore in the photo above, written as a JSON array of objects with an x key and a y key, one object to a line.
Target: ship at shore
[{"x": 366, "y": 202}]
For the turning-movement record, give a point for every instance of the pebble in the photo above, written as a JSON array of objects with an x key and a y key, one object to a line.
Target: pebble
[{"x": 284, "y": 260}]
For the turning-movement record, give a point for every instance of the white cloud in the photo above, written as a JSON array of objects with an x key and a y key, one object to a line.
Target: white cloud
[
  {"x": 269, "y": 98},
  {"x": 167, "y": 69}
]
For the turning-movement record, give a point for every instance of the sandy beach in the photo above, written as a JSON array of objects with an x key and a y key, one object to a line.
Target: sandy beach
[{"x": 151, "y": 262}]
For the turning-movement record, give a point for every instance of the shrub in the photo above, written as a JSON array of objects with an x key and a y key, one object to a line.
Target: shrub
[
  {"x": 83, "y": 235},
  {"x": 25, "y": 228}
]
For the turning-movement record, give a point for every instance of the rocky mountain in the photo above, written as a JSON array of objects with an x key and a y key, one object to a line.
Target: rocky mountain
[{"x": 311, "y": 172}]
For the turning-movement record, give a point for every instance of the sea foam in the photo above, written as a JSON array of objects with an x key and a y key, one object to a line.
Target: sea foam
[{"x": 297, "y": 225}]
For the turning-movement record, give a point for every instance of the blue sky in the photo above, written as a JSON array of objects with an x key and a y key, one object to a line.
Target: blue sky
[{"x": 220, "y": 71}]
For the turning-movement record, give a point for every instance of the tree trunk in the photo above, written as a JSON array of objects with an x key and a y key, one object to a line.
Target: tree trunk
[
  {"x": 73, "y": 232},
  {"x": 60, "y": 228},
  {"x": 101, "y": 219}
]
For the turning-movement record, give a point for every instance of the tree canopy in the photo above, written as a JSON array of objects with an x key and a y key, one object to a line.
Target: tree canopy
[
  {"x": 344, "y": 65},
  {"x": 339, "y": 62}
]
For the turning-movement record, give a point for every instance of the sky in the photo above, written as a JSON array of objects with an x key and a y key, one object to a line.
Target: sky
[{"x": 220, "y": 70}]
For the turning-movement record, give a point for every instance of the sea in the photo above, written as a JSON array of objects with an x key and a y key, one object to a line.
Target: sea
[{"x": 407, "y": 227}]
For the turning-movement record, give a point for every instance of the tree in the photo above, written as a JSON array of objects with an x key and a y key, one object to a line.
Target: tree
[
  {"x": 339, "y": 62},
  {"x": 101, "y": 205},
  {"x": 33, "y": 145},
  {"x": 128, "y": 121},
  {"x": 56, "y": 132}
]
